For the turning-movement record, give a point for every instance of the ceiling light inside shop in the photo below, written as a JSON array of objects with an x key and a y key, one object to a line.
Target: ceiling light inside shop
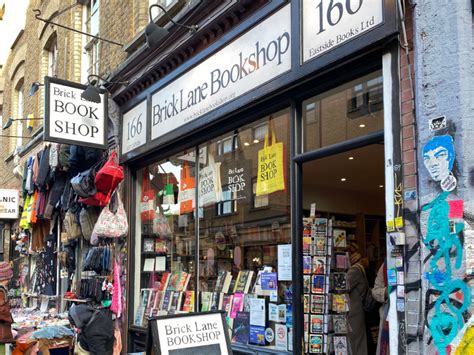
[
  {"x": 351, "y": 158},
  {"x": 256, "y": 141},
  {"x": 362, "y": 125},
  {"x": 380, "y": 186},
  {"x": 246, "y": 144},
  {"x": 343, "y": 179}
]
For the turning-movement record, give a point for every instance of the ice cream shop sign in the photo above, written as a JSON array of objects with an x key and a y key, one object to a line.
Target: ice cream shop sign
[{"x": 71, "y": 119}]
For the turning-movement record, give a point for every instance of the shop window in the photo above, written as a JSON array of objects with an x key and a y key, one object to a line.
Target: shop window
[
  {"x": 164, "y": 276},
  {"x": 259, "y": 132},
  {"x": 52, "y": 59},
  {"x": 351, "y": 110},
  {"x": 235, "y": 249},
  {"x": 90, "y": 58},
  {"x": 17, "y": 112}
]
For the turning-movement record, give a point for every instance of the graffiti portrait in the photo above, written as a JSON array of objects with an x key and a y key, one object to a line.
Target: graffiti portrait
[{"x": 438, "y": 157}]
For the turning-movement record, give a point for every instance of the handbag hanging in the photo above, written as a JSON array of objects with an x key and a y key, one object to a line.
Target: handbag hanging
[
  {"x": 112, "y": 225},
  {"x": 210, "y": 186},
  {"x": 187, "y": 188},
  {"x": 110, "y": 175},
  {"x": 147, "y": 198},
  {"x": 271, "y": 169}
]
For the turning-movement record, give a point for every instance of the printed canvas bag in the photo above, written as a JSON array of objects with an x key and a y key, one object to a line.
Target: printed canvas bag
[
  {"x": 271, "y": 169},
  {"x": 187, "y": 188},
  {"x": 210, "y": 186}
]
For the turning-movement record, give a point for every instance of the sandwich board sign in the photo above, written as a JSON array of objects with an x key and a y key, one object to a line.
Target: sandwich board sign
[{"x": 190, "y": 334}]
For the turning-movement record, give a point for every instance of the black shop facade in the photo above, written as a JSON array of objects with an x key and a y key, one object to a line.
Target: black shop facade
[{"x": 237, "y": 146}]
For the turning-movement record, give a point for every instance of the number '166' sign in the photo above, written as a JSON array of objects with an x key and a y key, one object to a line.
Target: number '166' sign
[
  {"x": 134, "y": 129},
  {"x": 330, "y": 23}
]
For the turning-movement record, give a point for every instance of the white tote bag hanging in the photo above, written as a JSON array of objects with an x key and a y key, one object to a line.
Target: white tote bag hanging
[{"x": 210, "y": 187}]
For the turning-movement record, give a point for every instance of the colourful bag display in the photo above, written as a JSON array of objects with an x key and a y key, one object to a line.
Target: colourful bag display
[
  {"x": 110, "y": 175},
  {"x": 111, "y": 225},
  {"x": 210, "y": 186},
  {"x": 161, "y": 227},
  {"x": 147, "y": 199},
  {"x": 271, "y": 169},
  {"x": 187, "y": 187},
  {"x": 24, "y": 215}
]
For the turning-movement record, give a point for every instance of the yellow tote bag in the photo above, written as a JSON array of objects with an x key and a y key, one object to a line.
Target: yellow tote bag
[{"x": 271, "y": 173}]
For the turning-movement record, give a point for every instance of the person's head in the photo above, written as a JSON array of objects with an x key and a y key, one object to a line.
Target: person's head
[
  {"x": 80, "y": 315},
  {"x": 438, "y": 157},
  {"x": 6, "y": 273}
]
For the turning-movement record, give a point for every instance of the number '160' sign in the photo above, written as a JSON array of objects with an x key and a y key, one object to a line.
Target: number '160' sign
[{"x": 330, "y": 23}]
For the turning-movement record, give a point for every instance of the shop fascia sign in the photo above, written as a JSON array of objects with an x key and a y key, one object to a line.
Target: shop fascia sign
[
  {"x": 70, "y": 119},
  {"x": 256, "y": 57},
  {"x": 328, "y": 24},
  {"x": 9, "y": 203}
]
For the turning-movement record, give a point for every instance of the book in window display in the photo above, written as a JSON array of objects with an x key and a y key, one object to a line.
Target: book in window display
[
  {"x": 269, "y": 281},
  {"x": 188, "y": 305},
  {"x": 241, "y": 329},
  {"x": 257, "y": 335},
  {"x": 340, "y": 239},
  {"x": 237, "y": 304}
]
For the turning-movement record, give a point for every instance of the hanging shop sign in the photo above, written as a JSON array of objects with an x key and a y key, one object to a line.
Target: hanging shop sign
[
  {"x": 71, "y": 119},
  {"x": 189, "y": 334},
  {"x": 258, "y": 56},
  {"x": 134, "y": 128},
  {"x": 9, "y": 202},
  {"x": 330, "y": 23}
]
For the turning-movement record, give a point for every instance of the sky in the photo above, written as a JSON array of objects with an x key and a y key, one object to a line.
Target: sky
[{"x": 13, "y": 21}]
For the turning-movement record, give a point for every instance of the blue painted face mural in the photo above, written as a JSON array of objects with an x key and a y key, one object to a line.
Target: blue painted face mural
[{"x": 438, "y": 157}]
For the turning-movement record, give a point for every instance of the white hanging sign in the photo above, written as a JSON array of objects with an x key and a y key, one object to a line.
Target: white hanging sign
[{"x": 9, "y": 202}]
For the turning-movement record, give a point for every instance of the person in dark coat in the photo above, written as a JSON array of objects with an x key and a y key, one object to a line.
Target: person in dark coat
[
  {"x": 6, "y": 319},
  {"x": 95, "y": 329}
]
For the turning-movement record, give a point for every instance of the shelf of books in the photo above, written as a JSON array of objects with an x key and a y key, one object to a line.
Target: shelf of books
[{"x": 326, "y": 293}]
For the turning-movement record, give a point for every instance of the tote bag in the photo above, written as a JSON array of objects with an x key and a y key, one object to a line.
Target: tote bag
[
  {"x": 271, "y": 169},
  {"x": 147, "y": 199},
  {"x": 187, "y": 188},
  {"x": 111, "y": 225},
  {"x": 210, "y": 186}
]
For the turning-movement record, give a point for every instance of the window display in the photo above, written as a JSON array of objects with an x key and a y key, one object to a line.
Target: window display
[{"x": 241, "y": 220}]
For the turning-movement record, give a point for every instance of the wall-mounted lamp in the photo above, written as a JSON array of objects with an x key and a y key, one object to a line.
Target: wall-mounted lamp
[
  {"x": 34, "y": 88},
  {"x": 92, "y": 93},
  {"x": 154, "y": 33},
  {"x": 48, "y": 21},
  {"x": 11, "y": 120}
]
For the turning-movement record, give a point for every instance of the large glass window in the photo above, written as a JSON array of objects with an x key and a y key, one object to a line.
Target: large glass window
[
  {"x": 351, "y": 110},
  {"x": 241, "y": 219}
]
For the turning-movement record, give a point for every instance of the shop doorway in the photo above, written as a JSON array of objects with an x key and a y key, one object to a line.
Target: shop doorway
[{"x": 346, "y": 192}]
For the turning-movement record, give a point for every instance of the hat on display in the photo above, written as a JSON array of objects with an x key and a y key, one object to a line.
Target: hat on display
[{"x": 6, "y": 272}]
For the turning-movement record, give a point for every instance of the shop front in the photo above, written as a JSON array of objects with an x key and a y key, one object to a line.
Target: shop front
[{"x": 257, "y": 179}]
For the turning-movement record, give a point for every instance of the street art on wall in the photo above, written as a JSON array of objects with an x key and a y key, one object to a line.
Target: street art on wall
[{"x": 448, "y": 297}]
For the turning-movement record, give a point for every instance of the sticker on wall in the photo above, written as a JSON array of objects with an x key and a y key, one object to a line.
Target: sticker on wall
[
  {"x": 437, "y": 123},
  {"x": 438, "y": 157},
  {"x": 390, "y": 225},
  {"x": 456, "y": 209},
  {"x": 399, "y": 222},
  {"x": 409, "y": 195}
]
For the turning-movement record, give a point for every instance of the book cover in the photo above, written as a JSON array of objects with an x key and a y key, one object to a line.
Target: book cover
[
  {"x": 227, "y": 304},
  {"x": 307, "y": 245},
  {"x": 319, "y": 265},
  {"x": 340, "y": 303},
  {"x": 316, "y": 343},
  {"x": 269, "y": 281},
  {"x": 249, "y": 281},
  {"x": 257, "y": 286},
  {"x": 320, "y": 245},
  {"x": 257, "y": 312},
  {"x": 282, "y": 313},
  {"x": 306, "y": 283},
  {"x": 340, "y": 281},
  {"x": 241, "y": 281},
  {"x": 157, "y": 303},
  {"x": 340, "y": 240},
  {"x": 177, "y": 281},
  {"x": 241, "y": 328},
  {"x": 339, "y": 323},
  {"x": 342, "y": 261},
  {"x": 273, "y": 312},
  {"x": 317, "y": 323},
  {"x": 188, "y": 305},
  {"x": 237, "y": 304},
  {"x": 149, "y": 302},
  {"x": 318, "y": 303},
  {"x": 340, "y": 345},
  {"x": 247, "y": 298},
  {"x": 306, "y": 264},
  {"x": 167, "y": 298},
  {"x": 306, "y": 303},
  {"x": 289, "y": 315},
  {"x": 165, "y": 277},
  {"x": 186, "y": 282},
  {"x": 176, "y": 302},
  {"x": 206, "y": 301},
  {"x": 215, "y": 298},
  {"x": 317, "y": 283},
  {"x": 256, "y": 335},
  {"x": 227, "y": 282}
]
